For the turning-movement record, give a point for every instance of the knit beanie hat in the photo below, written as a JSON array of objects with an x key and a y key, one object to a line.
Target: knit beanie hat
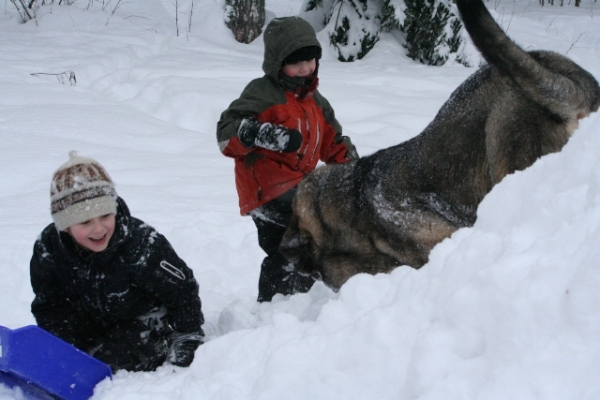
[
  {"x": 302, "y": 54},
  {"x": 81, "y": 189}
]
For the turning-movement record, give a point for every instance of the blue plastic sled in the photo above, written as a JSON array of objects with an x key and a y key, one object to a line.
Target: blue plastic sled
[{"x": 45, "y": 367}]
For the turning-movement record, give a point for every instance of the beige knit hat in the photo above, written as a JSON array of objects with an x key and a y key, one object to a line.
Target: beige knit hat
[{"x": 81, "y": 189}]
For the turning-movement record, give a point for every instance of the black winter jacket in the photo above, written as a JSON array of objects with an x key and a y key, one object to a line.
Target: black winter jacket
[{"x": 79, "y": 294}]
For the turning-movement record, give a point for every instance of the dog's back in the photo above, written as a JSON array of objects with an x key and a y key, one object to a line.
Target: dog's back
[
  {"x": 392, "y": 207},
  {"x": 519, "y": 107}
]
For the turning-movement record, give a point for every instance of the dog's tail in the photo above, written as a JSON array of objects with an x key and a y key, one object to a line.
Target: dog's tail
[{"x": 578, "y": 94}]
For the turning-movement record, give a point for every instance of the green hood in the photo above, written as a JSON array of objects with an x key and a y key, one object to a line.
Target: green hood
[{"x": 282, "y": 37}]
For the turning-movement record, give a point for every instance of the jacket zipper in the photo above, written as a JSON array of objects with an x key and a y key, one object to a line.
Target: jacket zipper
[
  {"x": 301, "y": 155},
  {"x": 316, "y": 142},
  {"x": 318, "y": 135}
]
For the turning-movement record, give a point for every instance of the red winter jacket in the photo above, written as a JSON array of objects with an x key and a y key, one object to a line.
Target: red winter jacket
[{"x": 260, "y": 174}]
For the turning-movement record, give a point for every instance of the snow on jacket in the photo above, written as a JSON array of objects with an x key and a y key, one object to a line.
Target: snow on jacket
[
  {"x": 78, "y": 293},
  {"x": 262, "y": 175}
]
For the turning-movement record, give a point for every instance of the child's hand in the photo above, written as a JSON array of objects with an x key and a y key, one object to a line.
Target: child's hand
[
  {"x": 183, "y": 348},
  {"x": 269, "y": 136}
]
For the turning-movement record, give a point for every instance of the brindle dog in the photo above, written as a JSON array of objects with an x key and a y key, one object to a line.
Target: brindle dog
[{"x": 392, "y": 207}]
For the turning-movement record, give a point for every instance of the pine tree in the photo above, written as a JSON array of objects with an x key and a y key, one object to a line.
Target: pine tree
[
  {"x": 392, "y": 15},
  {"x": 321, "y": 8},
  {"x": 432, "y": 31},
  {"x": 245, "y": 18},
  {"x": 354, "y": 28}
]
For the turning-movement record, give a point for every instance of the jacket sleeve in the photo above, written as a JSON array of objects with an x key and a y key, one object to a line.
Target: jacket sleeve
[
  {"x": 336, "y": 147},
  {"x": 168, "y": 277},
  {"x": 259, "y": 95},
  {"x": 51, "y": 306}
]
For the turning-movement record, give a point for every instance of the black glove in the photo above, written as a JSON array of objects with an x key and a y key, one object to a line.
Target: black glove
[
  {"x": 183, "y": 347},
  {"x": 152, "y": 355},
  {"x": 268, "y": 136}
]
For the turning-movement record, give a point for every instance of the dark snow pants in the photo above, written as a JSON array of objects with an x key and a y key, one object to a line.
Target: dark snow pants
[
  {"x": 277, "y": 275},
  {"x": 141, "y": 344}
]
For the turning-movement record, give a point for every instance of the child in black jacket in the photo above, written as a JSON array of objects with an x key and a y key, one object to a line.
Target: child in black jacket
[{"x": 108, "y": 283}]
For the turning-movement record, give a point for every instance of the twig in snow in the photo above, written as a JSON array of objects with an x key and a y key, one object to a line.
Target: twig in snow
[
  {"x": 115, "y": 9},
  {"x": 62, "y": 77},
  {"x": 177, "y": 17},
  {"x": 190, "y": 17},
  {"x": 576, "y": 40}
]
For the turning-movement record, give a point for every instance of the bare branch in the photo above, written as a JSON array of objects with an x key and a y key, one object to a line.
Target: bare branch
[
  {"x": 177, "y": 17},
  {"x": 190, "y": 17},
  {"x": 115, "y": 9},
  {"x": 576, "y": 40},
  {"x": 62, "y": 77}
]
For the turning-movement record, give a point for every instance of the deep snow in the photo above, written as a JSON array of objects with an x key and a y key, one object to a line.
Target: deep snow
[{"x": 507, "y": 309}]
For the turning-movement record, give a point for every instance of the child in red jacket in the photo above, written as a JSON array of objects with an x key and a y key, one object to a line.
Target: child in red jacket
[{"x": 277, "y": 131}]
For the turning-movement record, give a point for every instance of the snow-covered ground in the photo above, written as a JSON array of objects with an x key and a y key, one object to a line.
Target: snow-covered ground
[{"x": 508, "y": 309}]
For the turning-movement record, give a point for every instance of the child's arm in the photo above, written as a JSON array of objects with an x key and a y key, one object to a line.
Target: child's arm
[
  {"x": 336, "y": 147},
  {"x": 167, "y": 276},
  {"x": 171, "y": 280},
  {"x": 51, "y": 307},
  {"x": 259, "y": 95}
]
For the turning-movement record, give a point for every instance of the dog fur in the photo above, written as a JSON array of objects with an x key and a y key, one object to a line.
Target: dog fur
[{"x": 392, "y": 207}]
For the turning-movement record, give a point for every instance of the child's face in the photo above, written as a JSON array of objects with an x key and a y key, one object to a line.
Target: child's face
[
  {"x": 94, "y": 234},
  {"x": 301, "y": 69}
]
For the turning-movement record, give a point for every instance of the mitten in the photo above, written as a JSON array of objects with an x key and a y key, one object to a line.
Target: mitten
[
  {"x": 152, "y": 355},
  {"x": 268, "y": 136},
  {"x": 183, "y": 347}
]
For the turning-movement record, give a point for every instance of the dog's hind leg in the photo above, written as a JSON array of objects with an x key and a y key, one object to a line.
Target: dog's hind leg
[{"x": 515, "y": 143}]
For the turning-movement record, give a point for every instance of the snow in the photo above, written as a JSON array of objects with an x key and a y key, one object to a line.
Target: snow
[{"x": 509, "y": 308}]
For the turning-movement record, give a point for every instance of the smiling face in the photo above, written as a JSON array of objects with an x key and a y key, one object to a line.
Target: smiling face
[
  {"x": 300, "y": 69},
  {"x": 94, "y": 234}
]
